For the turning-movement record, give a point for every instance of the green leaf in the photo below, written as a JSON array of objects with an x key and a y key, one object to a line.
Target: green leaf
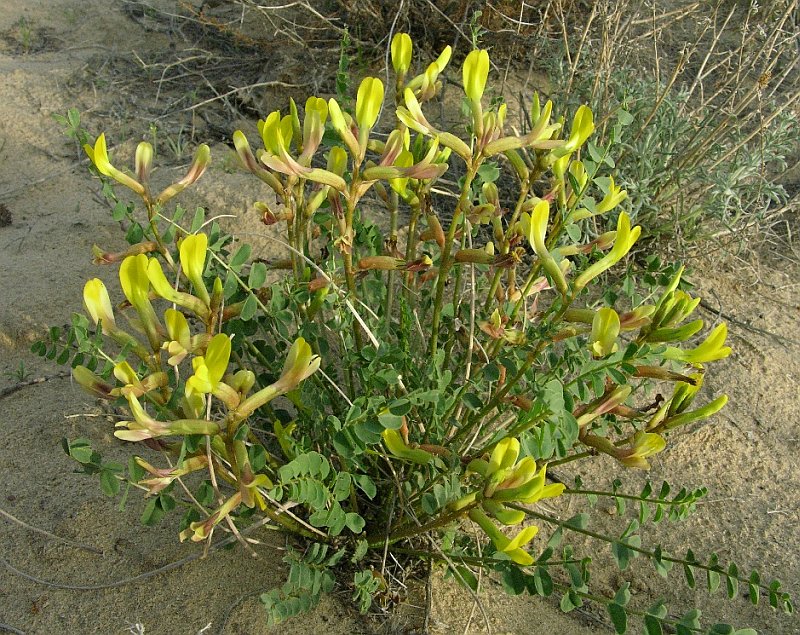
[
  {"x": 400, "y": 407},
  {"x": 652, "y": 625},
  {"x": 624, "y": 117},
  {"x": 542, "y": 582},
  {"x": 555, "y": 538},
  {"x": 198, "y": 220},
  {"x": 570, "y": 600},
  {"x": 513, "y": 581},
  {"x": 240, "y": 257},
  {"x": 109, "y": 483},
  {"x": 491, "y": 372},
  {"x": 754, "y": 590},
  {"x": 469, "y": 579},
  {"x": 578, "y": 521},
  {"x": 472, "y": 401},
  {"x": 80, "y": 450},
  {"x": 258, "y": 275},
  {"x": 249, "y": 308},
  {"x": 619, "y": 618},
  {"x": 120, "y": 210},
  {"x": 135, "y": 234},
  {"x": 553, "y": 396},
  {"x": 362, "y": 546},
  {"x": 689, "y": 575},
  {"x": 489, "y": 172},
  {"x": 574, "y": 231},
  {"x": 622, "y": 555},
  {"x": 389, "y": 420},
  {"x": 230, "y": 286},
  {"x": 135, "y": 471},
  {"x": 662, "y": 566},
  {"x": 354, "y": 522},
  {"x": 366, "y": 485},
  {"x": 692, "y": 619},
  {"x": 429, "y": 503},
  {"x": 623, "y": 595},
  {"x": 712, "y": 575},
  {"x": 341, "y": 488},
  {"x": 594, "y": 152}
]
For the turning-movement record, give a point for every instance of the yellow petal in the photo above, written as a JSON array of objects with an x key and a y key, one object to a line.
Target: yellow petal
[{"x": 522, "y": 538}]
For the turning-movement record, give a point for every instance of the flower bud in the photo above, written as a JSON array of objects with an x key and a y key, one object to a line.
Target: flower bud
[
  {"x": 397, "y": 448},
  {"x": 582, "y": 128},
  {"x": 202, "y": 159},
  {"x": 92, "y": 383},
  {"x": 143, "y": 162}
]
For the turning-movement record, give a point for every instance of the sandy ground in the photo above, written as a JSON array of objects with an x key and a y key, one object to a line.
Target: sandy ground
[{"x": 747, "y": 457}]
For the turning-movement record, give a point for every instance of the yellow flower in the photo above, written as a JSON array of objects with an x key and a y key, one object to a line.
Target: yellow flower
[
  {"x": 98, "y": 304},
  {"x": 164, "y": 289},
  {"x": 146, "y": 427},
  {"x": 397, "y": 447},
  {"x": 645, "y": 444},
  {"x": 401, "y": 53},
  {"x": 475, "y": 73},
  {"x": 625, "y": 239},
  {"x": 605, "y": 329},
  {"x": 368, "y": 103},
  {"x": 535, "y": 226},
  {"x": 193, "y": 260},
  {"x": 582, "y": 129},
  {"x": 710, "y": 350},
  {"x": 180, "y": 343},
  {"x": 136, "y": 287},
  {"x": 613, "y": 198},
  {"x": 209, "y": 369},
  {"x": 99, "y": 156},
  {"x": 313, "y": 126},
  {"x": 143, "y": 162},
  {"x": 300, "y": 364},
  {"x": 511, "y": 547}
]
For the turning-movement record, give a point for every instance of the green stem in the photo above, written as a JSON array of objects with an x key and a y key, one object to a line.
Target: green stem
[
  {"x": 598, "y": 599},
  {"x": 152, "y": 215},
  {"x": 570, "y": 459},
  {"x": 645, "y": 552},
  {"x": 348, "y": 258},
  {"x": 411, "y": 240},
  {"x": 408, "y": 532},
  {"x": 478, "y": 562},
  {"x": 387, "y": 313},
  {"x": 592, "y": 492},
  {"x": 446, "y": 260}
]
